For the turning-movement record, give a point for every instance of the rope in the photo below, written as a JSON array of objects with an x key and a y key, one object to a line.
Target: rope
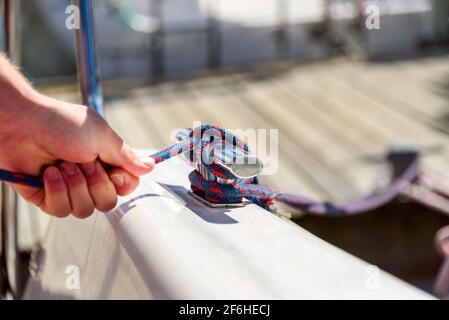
[
  {"x": 264, "y": 196},
  {"x": 219, "y": 186},
  {"x": 201, "y": 144},
  {"x": 22, "y": 179}
]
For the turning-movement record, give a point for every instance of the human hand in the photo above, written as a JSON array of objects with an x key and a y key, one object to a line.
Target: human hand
[{"x": 69, "y": 145}]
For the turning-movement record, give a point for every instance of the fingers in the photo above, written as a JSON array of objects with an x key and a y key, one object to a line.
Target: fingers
[
  {"x": 32, "y": 195},
  {"x": 124, "y": 182},
  {"x": 101, "y": 189},
  {"x": 56, "y": 201},
  {"x": 115, "y": 152},
  {"x": 79, "y": 189},
  {"x": 81, "y": 202}
]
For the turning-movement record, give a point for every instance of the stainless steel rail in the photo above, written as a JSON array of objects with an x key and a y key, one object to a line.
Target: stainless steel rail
[
  {"x": 10, "y": 263},
  {"x": 86, "y": 60},
  {"x": 11, "y": 36}
]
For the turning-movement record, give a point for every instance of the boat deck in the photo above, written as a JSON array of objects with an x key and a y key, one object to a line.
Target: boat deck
[{"x": 331, "y": 116}]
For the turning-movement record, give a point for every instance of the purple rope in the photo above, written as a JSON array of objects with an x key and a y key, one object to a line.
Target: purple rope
[
  {"x": 264, "y": 196},
  {"x": 199, "y": 147}
]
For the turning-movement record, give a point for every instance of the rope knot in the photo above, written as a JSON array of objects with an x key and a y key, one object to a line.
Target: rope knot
[{"x": 225, "y": 170}]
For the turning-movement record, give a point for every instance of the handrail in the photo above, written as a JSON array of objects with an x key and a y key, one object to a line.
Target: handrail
[
  {"x": 11, "y": 43},
  {"x": 86, "y": 60},
  {"x": 8, "y": 200}
]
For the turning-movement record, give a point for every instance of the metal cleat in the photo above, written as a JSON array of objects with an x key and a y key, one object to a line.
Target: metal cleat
[{"x": 238, "y": 163}]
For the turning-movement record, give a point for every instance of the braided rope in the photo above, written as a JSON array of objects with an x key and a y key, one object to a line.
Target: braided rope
[
  {"x": 22, "y": 179},
  {"x": 200, "y": 146},
  {"x": 264, "y": 196}
]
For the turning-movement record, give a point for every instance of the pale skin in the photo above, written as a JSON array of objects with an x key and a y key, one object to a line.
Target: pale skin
[{"x": 69, "y": 145}]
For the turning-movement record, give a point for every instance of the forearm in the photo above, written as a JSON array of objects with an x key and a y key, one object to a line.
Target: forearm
[
  {"x": 37, "y": 132},
  {"x": 19, "y": 102},
  {"x": 15, "y": 91}
]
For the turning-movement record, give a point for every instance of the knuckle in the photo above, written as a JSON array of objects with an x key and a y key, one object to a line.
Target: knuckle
[
  {"x": 58, "y": 213},
  {"x": 72, "y": 174},
  {"x": 97, "y": 184},
  {"x": 86, "y": 153},
  {"x": 90, "y": 112},
  {"x": 37, "y": 198},
  {"x": 107, "y": 206},
  {"x": 99, "y": 122},
  {"x": 75, "y": 182},
  {"x": 83, "y": 213}
]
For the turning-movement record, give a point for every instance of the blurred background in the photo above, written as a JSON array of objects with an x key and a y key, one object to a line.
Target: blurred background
[
  {"x": 150, "y": 39},
  {"x": 338, "y": 92}
]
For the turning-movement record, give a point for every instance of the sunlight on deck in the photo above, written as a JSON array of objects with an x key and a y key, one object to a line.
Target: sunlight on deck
[{"x": 330, "y": 116}]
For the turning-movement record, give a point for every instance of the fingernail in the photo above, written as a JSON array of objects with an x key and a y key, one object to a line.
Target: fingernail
[
  {"x": 89, "y": 168},
  {"x": 69, "y": 169},
  {"x": 52, "y": 174},
  {"x": 118, "y": 180},
  {"x": 148, "y": 162}
]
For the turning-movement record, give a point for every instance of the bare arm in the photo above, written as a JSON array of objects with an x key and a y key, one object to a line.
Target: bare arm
[{"x": 67, "y": 144}]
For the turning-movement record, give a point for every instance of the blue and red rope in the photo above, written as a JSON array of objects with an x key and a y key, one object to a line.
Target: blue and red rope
[{"x": 199, "y": 147}]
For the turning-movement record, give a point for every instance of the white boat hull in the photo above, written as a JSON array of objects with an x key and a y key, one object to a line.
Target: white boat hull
[{"x": 159, "y": 243}]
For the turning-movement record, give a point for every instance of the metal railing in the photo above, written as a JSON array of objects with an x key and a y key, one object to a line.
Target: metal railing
[
  {"x": 8, "y": 200},
  {"x": 10, "y": 267},
  {"x": 86, "y": 60}
]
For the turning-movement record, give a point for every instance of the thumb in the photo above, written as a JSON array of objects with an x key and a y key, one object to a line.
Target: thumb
[{"x": 117, "y": 153}]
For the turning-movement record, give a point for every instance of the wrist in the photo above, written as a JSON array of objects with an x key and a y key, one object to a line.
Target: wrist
[
  {"x": 15, "y": 105},
  {"x": 18, "y": 109},
  {"x": 16, "y": 93}
]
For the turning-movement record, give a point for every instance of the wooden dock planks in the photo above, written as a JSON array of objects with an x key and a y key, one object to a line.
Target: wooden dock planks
[{"x": 330, "y": 116}]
